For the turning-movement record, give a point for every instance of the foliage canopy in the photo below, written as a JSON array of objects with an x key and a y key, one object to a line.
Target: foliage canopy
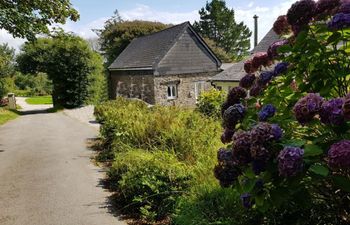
[
  {"x": 25, "y": 19},
  {"x": 76, "y": 70},
  {"x": 117, "y": 34},
  {"x": 217, "y": 22}
]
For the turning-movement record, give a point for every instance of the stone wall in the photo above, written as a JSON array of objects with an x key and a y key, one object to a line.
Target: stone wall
[
  {"x": 133, "y": 84},
  {"x": 185, "y": 88}
]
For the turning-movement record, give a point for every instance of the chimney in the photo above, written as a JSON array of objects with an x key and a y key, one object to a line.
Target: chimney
[{"x": 255, "y": 30}]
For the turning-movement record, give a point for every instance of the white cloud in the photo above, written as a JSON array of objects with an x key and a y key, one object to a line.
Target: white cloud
[
  {"x": 5, "y": 37},
  {"x": 267, "y": 16},
  {"x": 251, "y": 4},
  {"x": 144, "y": 12}
]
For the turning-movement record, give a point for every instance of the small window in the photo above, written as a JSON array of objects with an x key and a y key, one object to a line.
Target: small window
[
  {"x": 172, "y": 91},
  {"x": 219, "y": 88},
  {"x": 199, "y": 88}
]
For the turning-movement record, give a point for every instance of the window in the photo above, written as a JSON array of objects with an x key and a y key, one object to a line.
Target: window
[
  {"x": 219, "y": 88},
  {"x": 199, "y": 88},
  {"x": 172, "y": 91}
]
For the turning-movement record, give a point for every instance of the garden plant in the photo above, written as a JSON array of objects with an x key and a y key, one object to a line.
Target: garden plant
[{"x": 287, "y": 125}]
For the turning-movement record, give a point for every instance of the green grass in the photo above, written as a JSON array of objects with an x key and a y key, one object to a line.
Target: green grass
[
  {"x": 7, "y": 115},
  {"x": 41, "y": 100}
]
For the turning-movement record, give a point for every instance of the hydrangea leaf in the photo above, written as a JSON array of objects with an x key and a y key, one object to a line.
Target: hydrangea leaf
[
  {"x": 312, "y": 150},
  {"x": 334, "y": 38},
  {"x": 319, "y": 170},
  {"x": 342, "y": 182},
  {"x": 294, "y": 143}
]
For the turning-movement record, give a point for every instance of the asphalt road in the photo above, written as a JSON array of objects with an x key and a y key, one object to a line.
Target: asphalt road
[{"x": 46, "y": 175}]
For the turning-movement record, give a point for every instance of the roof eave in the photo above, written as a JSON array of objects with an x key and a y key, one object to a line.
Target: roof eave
[{"x": 130, "y": 68}]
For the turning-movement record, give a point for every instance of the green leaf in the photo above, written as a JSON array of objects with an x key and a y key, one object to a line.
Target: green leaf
[
  {"x": 312, "y": 150},
  {"x": 342, "y": 182},
  {"x": 334, "y": 38},
  {"x": 319, "y": 170},
  {"x": 259, "y": 200},
  {"x": 294, "y": 143}
]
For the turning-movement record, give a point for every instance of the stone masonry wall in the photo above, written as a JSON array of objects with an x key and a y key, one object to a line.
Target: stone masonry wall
[
  {"x": 138, "y": 84},
  {"x": 185, "y": 88}
]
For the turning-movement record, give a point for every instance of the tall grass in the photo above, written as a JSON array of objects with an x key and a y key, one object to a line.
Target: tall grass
[{"x": 156, "y": 150}]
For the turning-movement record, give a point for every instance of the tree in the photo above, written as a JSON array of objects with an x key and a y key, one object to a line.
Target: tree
[
  {"x": 75, "y": 70},
  {"x": 6, "y": 66},
  {"x": 7, "y": 55},
  {"x": 25, "y": 19},
  {"x": 219, "y": 52},
  {"x": 117, "y": 34},
  {"x": 217, "y": 22}
]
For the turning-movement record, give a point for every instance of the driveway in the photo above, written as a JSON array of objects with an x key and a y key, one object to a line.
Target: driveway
[
  {"x": 27, "y": 107},
  {"x": 46, "y": 175}
]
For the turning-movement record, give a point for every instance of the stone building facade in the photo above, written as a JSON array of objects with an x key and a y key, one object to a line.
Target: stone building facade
[{"x": 170, "y": 67}]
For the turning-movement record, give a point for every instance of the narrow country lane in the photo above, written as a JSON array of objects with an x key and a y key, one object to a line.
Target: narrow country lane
[{"x": 46, "y": 175}]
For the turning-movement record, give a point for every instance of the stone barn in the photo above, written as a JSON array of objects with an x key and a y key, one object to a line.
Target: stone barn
[{"x": 170, "y": 67}]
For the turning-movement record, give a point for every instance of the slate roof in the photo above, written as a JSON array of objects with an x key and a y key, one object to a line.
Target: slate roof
[
  {"x": 236, "y": 71},
  {"x": 265, "y": 43},
  {"x": 233, "y": 73},
  {"x": 146, "y": 52}
]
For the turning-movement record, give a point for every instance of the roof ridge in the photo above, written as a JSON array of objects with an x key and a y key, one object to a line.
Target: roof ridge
[
  {"x": 166, "y": 29},
  {"x": 173, "y": 42}
]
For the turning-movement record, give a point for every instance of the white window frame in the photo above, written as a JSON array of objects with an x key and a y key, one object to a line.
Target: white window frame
[
  {"x": 197, "y": 90},
  {"x": 172, "y": 89}
]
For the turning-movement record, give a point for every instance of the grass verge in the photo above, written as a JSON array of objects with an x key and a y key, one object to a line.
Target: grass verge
[
  {"x": 40, "y": 100},
  {"x": 7, "y": 115}
]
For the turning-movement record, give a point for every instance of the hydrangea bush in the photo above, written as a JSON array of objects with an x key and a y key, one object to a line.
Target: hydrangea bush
[{"x": 287, "y": 126}]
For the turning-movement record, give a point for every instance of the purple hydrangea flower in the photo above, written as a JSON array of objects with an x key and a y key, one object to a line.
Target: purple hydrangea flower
[
  {"x": 344, "y": 7},
  {"x": 261, "y": 134},
  {"x": 281, "y": 25},
  {"x": 260, "y": 156},
  {"x": 281, "y": 68},
  {"x": 273, "y": 49},
  {"x": 224, "y": 155},
  {"x": 339, "y": 155},
  {"x": 259, "y": 166},
  {"x": 235, "y": 95},
  {"x": 332, "y": 112},
  {"x": 266, "y": 112},
  {"x": 301, "y": 12},
  {"x": 246, "y": 200},
  {"x": 233, "y": 115},
  {"x": 326, "y": 6},
  {"x": 241, "y": 147},
  {"x": 248, "y": 66},
  {"x": 339, "y": 21},
  {"x": 226, "y": 173},
  {"x": 265, "y": 77},
  {"x": 290, "y": 161},
  {"x": 247, "y": 81},
  {"x": 224, "y": 107},
  {"x": 346, "y": 107},
  {"x": 226, "y": 137},
  {"x": 261, "y": 59},
  {"x": 277, "y": 132},
  {"x": 307, "y": 107},
  {"x": 256, "y": 90}
]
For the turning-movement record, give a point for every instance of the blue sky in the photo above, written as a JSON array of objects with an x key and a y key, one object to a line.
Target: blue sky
[{"x": 94, "y": 13}]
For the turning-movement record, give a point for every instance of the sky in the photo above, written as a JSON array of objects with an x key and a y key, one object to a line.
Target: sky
[{"x": 93, "y": 14}]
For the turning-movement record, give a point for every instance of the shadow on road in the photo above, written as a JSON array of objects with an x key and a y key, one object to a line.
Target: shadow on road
[
  {"x": 112, "y": 203},
  {"x": 35, "y": 111}
]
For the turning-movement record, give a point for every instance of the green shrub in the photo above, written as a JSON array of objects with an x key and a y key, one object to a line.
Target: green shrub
[
  {"x": 210, "y": 204},
  {"x": 149, "y": 183},
  {"x": 149, "y": 145},
  {"x": 32, "y": 84},
  {"x": 210, "y": 102},
  {"x": 132, "y": 124}
]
